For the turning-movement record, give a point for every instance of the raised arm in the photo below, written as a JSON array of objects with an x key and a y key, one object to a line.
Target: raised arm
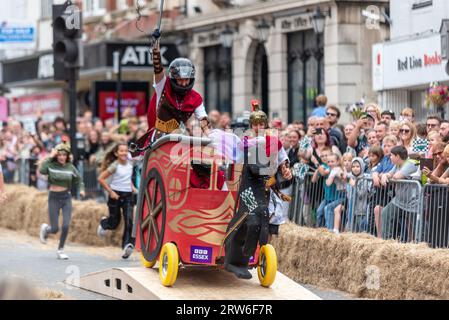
[{"x": 157, "y": 63}]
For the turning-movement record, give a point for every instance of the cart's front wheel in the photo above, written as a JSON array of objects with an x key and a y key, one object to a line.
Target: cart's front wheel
[
  {"x": 168, "y": 264},
  {"x": 145, "y": 262},
  {"x": 268, "y": 265}
]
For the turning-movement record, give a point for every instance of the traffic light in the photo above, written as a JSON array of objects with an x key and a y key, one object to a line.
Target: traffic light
[{"x": 67, "y": 39}]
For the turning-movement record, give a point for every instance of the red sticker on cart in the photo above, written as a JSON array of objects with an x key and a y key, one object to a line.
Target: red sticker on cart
[{"x": 200, "y": 254}]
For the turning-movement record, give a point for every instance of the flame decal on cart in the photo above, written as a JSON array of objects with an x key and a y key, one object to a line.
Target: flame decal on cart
[{"x": 208, "y": 226}]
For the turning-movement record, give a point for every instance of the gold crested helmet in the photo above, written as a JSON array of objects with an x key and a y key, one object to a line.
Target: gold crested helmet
[{"x": 257, "y": 116}]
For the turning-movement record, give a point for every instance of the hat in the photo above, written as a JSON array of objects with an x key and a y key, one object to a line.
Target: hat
[
  {"x": 389, "y": 112},
  {"x": 63, "y": 147}
]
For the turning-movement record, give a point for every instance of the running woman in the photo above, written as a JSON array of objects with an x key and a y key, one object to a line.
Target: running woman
[
  {"x": 119, "y": 169},
  {"x": 62, "y": 175}
]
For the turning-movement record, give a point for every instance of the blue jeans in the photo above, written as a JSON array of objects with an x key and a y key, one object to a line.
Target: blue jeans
[
  {"x": 320, "y": 213},
  {"x": 329, "y": 213}
]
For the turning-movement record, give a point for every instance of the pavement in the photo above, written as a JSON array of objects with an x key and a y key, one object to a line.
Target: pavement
[{"x": 24, "y": 257}]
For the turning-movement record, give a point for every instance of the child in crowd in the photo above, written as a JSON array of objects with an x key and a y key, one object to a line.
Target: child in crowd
[
  {"x": 335, "y": 181},
  {"x": 383, "y": 195},
  {"x": 329, "y": 165},
  {"x": 375, "y": 155},
  {"x": 119, "y": 168},
  {"x": 323, "y": 170},
  {"x": 356, "y": 171},
  {"x": 347, "y": 162}
]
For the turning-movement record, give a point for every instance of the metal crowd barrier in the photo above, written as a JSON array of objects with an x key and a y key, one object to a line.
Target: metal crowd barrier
[
  {"x": 436, "y": 216},
  {"x": 403, "y": 210}
]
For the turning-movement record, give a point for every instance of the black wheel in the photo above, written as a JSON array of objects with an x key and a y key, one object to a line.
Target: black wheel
[{"x": 152, "y": 216}]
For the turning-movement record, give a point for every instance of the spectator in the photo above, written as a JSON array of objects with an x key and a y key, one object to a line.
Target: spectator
[
  {"x": 375, "y": 155},
  {"x": 383, "y": 195},
  {"x": 358, "y": 139},
  {"x": 2, "y": 186},
  {"x": 333, "y": 116},
  {"x": 381, "y": 129},
  {"x": 321, "y": 142},
  {"x": 407, "y": 135},
  {"x": 387, "y": 116},
  {"x": 349, "y": 128},
  {"x": 395, "y": 128},
  {"x": 320, "y": 109},
  {"x": 284, "y": 138},
  {"x": 398, "y": 216},
  {"x": 374, "y": 111},
  {"x": 277, "y": 124},
  {"x": 437, "y": 201},
  {"x": 444, "y": 130},
  {"x": 214, "y": 118},
  {"x": 434, "y": 138},
  {"x": 225, "y": 121},
  {"x": 407, "y": 114},
  {"x": 336, "y": 183},
  {"x": 293, "y": 150},
  {"x": 433, "y": 123}
]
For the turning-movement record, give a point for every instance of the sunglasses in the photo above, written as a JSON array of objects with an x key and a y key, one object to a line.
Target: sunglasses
[
  {"x": 331, "y": 114},
  {"x": 438, "y": 153},
  {"x": 404, "y": 131}
]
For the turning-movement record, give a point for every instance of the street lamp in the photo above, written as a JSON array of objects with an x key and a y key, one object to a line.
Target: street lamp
[
  {"x": 227, "y": 37},
  {"x": 263, "y": 29},
  {"x": 318, "y": 20}
]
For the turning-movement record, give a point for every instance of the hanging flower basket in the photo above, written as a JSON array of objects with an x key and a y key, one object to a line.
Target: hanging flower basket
[{"x": 437, "y": 95}]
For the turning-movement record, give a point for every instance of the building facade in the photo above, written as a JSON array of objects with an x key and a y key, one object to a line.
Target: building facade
[
  {"x": 404, "y": 66},
  {"x": 289, "y": 68},
  {"x": 109, "y": 26}
]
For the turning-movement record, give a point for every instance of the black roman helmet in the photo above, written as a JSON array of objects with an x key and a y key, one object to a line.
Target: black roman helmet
[{"x": 181, "y": 68}]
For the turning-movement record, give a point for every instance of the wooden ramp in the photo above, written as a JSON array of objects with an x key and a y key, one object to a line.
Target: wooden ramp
[{"x": 192, "y": 284}]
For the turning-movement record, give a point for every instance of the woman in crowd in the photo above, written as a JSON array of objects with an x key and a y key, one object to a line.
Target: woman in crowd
[
  {"x": 293, "y": 151},
  {"x": 407, "y": 134},
  {"x": 321, "y": 141},
  {"x": 62, "y": 175}
]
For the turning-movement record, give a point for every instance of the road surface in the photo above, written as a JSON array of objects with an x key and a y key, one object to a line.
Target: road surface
[{"x": 24, "y": 257}]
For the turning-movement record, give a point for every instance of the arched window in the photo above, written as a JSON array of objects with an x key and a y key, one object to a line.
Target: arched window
[
  {"x": 305, "y": 73},
  {"x": 218, "y": 78}
]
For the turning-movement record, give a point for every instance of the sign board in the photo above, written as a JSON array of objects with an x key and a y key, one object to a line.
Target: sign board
[
  {"x": 3, "y": 109},
  {"x": 17, "y": 35},
  {"x": 411, "y": 63},
  {"x": 134, "y": 95}
]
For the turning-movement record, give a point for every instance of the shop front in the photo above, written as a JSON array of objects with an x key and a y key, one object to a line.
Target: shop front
[
  {"x": 33, "y": 75},
  {"x": 403, "y": 71}
]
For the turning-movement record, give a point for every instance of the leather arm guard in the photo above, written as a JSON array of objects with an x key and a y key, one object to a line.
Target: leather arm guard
[{"x": 157, "y": 61}]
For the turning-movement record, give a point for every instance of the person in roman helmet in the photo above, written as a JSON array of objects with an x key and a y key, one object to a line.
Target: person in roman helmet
[
  {"x": 175, "y": 100},
  {"x": 264, "y": 157}
]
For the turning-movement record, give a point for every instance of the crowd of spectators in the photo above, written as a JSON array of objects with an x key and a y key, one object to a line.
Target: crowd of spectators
[{"x": 375, "y": 143}]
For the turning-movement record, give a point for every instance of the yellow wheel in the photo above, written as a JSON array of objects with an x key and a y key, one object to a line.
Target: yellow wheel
[
  {"x": 146, "y": 263},
  {"x": 168, "y": 264},
  {"x": 268, "y": 265}
]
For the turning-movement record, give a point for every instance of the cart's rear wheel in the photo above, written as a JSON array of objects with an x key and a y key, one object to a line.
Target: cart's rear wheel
[
  {"x": 168, "y": 264},
  {"x": 152, "y": 216},
  {"x": 268, "y": 265},
  {"x": 145, "y": 263}
]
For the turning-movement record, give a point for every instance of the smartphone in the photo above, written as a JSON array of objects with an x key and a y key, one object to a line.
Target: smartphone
[
  {"x": 318, "y": 131},
  {"x": 426, "y": 163}
]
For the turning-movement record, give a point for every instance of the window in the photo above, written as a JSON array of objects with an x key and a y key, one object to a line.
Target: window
[
  {"x": 305, "y": 73},
  {"x": 218, "y": 78},
  {"x": 94, "y": 7},
  {"x": 46, "y": 9}
]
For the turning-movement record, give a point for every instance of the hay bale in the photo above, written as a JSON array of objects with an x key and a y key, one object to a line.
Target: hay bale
[
  {"x": 27, "y": 208},
  {"x": 349, "y": 262}
]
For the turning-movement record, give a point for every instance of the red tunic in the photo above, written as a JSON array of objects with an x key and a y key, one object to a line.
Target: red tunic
[{"x": 192, "y": 100}]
